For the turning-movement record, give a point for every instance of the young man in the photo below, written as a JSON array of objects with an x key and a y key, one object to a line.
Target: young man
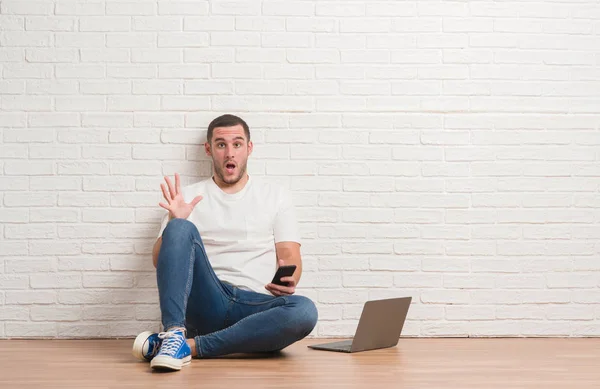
[{"x": 216, "y": 253}]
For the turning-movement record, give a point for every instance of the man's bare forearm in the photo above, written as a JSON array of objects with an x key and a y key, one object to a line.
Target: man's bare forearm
[{"x": 156, "y": 250}]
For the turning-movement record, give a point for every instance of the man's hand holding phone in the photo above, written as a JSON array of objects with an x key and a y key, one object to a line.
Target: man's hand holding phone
[{"x": 283, "y": 283}]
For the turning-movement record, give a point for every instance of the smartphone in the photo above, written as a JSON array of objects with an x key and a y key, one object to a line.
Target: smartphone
[{"x": 283, "y": 271}]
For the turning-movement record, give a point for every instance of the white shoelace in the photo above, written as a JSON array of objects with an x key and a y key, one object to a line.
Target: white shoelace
[{"x": 171, "y": 343}]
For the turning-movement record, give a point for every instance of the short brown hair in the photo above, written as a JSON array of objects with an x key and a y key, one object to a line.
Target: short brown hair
[{"x": 227, "y": 120}]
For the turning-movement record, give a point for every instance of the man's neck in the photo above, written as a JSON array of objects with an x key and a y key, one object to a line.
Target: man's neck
[{"x": 231, "y": 188}]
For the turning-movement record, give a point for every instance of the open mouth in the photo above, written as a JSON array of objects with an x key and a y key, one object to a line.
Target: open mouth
[{"x": 230, "y": 167}]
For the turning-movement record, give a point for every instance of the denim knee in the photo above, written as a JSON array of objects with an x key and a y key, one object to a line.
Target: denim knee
[
  {"x": 306, "y": 314},
  {"x": 180, "y": 228}
]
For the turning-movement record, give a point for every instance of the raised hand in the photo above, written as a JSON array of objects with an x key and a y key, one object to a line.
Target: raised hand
[{"x": 176, "y": 205}]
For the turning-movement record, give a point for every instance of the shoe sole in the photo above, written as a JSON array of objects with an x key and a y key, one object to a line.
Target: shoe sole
[
  {"x": 138, "y": 345},
  {"x": 164, "y": 362}
]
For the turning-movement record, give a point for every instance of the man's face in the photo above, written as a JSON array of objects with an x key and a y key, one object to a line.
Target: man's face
[{"x": 229, "y": 150}]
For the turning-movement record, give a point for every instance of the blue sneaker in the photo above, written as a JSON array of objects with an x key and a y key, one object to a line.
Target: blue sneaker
[
  {"x": 146, "y": 346},
  {"x": 174, "y": 352}
]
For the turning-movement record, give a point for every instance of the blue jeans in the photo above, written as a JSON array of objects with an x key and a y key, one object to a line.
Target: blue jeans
[{"x": 221, "y": 317}]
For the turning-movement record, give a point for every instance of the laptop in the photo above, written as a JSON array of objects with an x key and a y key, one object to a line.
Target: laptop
[{"x": 379, "y": 326}]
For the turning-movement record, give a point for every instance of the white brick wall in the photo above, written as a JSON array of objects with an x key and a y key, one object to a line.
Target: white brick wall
[{"x": 447, "y": 150}]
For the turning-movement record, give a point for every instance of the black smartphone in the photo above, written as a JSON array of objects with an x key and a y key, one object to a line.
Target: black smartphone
[{"x": 283, "y": 271}]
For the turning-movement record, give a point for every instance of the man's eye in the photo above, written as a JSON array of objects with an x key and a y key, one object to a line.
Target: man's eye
[
  {"x": 237, "y": 144},
  {"x": 221, "y": 145}
]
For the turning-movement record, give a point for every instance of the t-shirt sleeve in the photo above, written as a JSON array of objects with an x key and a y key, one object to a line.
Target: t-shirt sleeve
[
  {"x": 163, "y": 224},
  {"x": 285, "y": 228}
]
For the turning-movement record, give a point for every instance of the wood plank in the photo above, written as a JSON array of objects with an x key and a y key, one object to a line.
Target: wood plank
[{"x": 414, "y": 363}]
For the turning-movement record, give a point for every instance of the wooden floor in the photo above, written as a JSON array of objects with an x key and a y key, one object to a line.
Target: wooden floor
[{"x": 414, "y": 363}]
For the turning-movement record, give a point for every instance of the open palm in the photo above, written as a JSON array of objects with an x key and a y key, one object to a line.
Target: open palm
[{"x": 176, "y": 205}]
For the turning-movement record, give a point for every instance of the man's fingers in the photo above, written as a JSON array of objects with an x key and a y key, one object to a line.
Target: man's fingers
[
  {"x": 177, "y": 184},
  {"x": 165, "y": 194},
  {"x": 171, "y": 189},
  {"x": 290, "y": 280},
  {"x": 196, "y": 200},
  {"x": 165, "y": 206},
  {"x": 282, "y": 290}
]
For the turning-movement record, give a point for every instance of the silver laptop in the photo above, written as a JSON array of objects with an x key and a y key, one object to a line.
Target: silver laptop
[{"x": 379, "y": 326}]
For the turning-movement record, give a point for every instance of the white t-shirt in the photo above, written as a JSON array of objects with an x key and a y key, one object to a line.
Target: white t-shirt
[{"x": 239, "y": 230}]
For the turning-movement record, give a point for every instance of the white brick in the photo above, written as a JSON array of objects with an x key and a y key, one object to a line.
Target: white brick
[
  {"x": 166, "y": 7},
  {"x": 79, "y": 263},
  {"x": 154, "y": 87},
  {"x": 34, "y": 199},
  {"x": 391, "y": 8},
  {"x": 12, "y": 23},
  {"x": 156, "y": 55},
  {"x": 157, "y": 23},
  {"x": 55, "y": 313},
  {"x": 345, "y": 41},
  {"x": 29, "y": 168},
  {"x": 42, "y": 87},
  {"x": 82, "y": 168},
  {"x": 27, "y": 70},
  {"x": 108, "y": 313},
  {"x": 158, "y": 120},
  {"x": 107, "y": 215},
  {"x": 343, "y": 169},
  {"x": 130, "y": 8},
  {"x": 130, "y": 71},
  {"x": 51, "y": 55},
  {"x": 449, "y": 264},
  {"x": 54, "y": 120},
  {"x": 12, "y": 87},
  {"x": 54, "y": 215},
  {"x": 107, "y": 248},
  {"x": 104, "y": 23},
  {"x": 183, "y": 71},
  {"x": 233, "y": 7},
  {"x": 107, "y": 120},
  {"x": 79, "y": 39},
  {"x": 288, "y": 39},
  {"x": 131, "y": 40},
  {"x": 80, "y": 135},
  {"x": 14, "y": 281},
  {"x": 237, "y": 39},
  {"x": 30, "y": 330},
  {"x": 182, "y": 39},
  {"x": 372, "y": 280},
  {"x": 418, "y": 216},
  {"x": 444, "y": 296},
  {"x": 312, "y": 25},
  {"x": 110, "y": 280},
  {"x": 148, "y": 135},
  {"x": 473, "y": 312},
  {"x": 14, "y": 183},
  {"x": 57, "y": 247},
  {"x": 83, "y": 199},
  {"x": 13, "y": 151},
  {"x": 208, "y": 55},
  {"x": 24, "y": 39},
  {"x": 79, "y": 71},
  {"x": 51, "y": 280},
  {"x": 569, "y": 312},
  {"x": 80, "y": 7}
]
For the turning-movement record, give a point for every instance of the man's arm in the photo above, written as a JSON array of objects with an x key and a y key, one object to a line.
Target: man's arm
[
  {"x": 156, "y": 250},
  {"x": 289, "y": 253}
]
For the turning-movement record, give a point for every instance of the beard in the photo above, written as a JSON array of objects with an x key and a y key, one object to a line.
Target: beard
[{"x": 230, "y": 179}]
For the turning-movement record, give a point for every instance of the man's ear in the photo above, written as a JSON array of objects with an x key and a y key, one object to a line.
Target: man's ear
[
  {"x": 250, "y": 147},
  {"x": 207, "y": 149}
]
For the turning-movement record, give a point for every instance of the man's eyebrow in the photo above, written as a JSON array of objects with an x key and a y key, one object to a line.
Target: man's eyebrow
[{"x": 236, "y": 138}]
